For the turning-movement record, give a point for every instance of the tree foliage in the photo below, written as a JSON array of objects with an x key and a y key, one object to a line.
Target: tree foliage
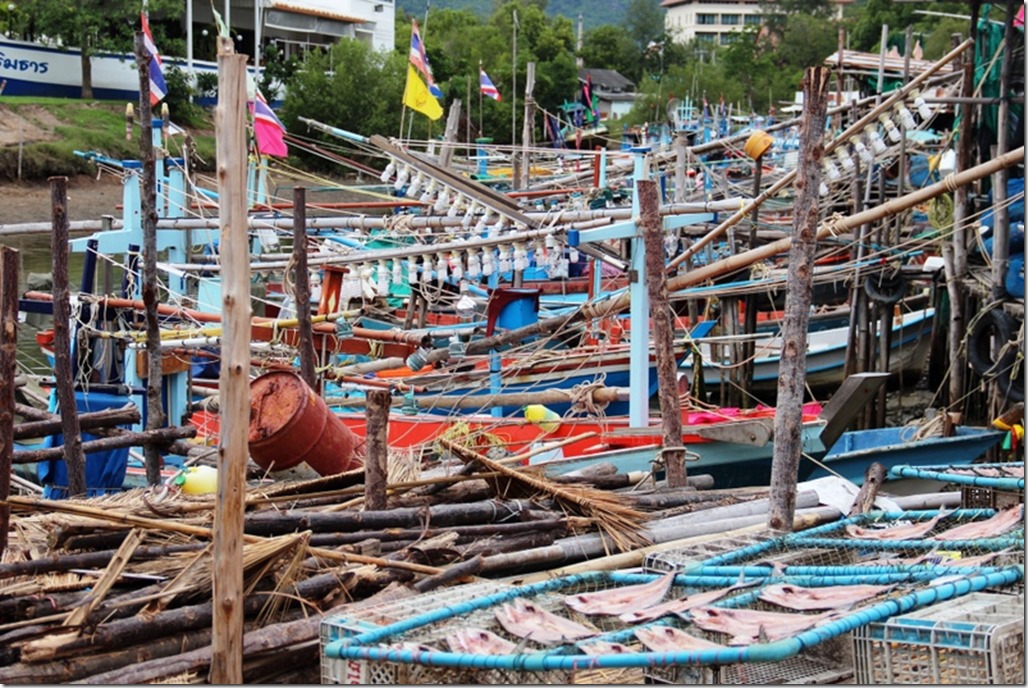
[{"x": 97, "y": 26}]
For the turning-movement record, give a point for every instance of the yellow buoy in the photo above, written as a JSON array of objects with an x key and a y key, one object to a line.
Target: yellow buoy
[
  {"x": 198, "y": 480},
  {"x": 757, "y": 144},
  {"x": 537, "y": 414}
]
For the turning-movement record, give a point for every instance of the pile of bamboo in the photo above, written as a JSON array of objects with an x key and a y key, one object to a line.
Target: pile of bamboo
[{"x": 118, "y": 589}]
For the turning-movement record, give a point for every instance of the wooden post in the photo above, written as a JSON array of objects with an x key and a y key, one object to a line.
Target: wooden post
[
  {"x": 148, "y": 211},
  {"x": 749, "y": 347},
  {"x": 526, "y": 129},
  {"x": 954, "y": 252},
  {"x": 8, "y": 371},
  {"x": 792, "y": 376},
  {"x": 64, "y": 376},
  {"x": 302, "y": 288},
  {"x": 663, "y": 332},
  {"x": 376, "y": 459},
  {"x": 230, "y": 121},
  {"x": 680, "y": 155}
]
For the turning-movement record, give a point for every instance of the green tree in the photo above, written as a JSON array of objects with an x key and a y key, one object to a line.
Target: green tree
[
  {"x": 645, "y": 22},
  {"x": 352, "y": 87},
  {"x": 609, "y": 47},
  {"x": 98, "y": 26}
]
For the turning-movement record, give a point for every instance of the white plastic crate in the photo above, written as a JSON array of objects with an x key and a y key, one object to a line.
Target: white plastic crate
[{"x": 975, "y": 639}]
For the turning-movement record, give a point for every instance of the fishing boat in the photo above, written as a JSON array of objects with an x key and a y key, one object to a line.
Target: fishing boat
[
  {"x": 910, "y": 342},
  {"x": 854, "y": 451}
]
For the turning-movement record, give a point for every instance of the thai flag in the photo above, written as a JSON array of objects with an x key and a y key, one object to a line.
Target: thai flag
[
  {"x": 267, "y": 128},
  {"x": 419, "y": 58},
  {"x": 485, "y": 85},
  {"x": 158, "y": 87}
]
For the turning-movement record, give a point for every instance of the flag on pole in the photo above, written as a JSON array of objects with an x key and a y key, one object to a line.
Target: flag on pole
[
  {"x": 587, "y": 97},
  {"x": 419, "y": 58},
  {"x": 158, "y": 87},
  {"x": 417, "y": 96},
  {"x": 267, "y": 128},
  {"x": 485, "y": 85}
]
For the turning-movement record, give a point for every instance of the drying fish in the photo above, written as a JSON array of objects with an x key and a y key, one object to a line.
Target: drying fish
[
  {"x": 527, "y": 620},
  {"x": 997, "y": 525},
  {"x": 830, "y": 597},
  {"x": 478, "y": 641},
  {"x": 1006, "y": 472},
  {"x": 614, "y": 601},
  {"x": 671, "y": 639},
  {"x": 746, "y": 626},
  {"x": 678, "y": 606},
  {"x": 912, "y": 531},
  {"x": 603, "y": 647}
]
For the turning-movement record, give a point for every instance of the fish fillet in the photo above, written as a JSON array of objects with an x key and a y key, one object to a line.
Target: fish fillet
[
  {"x": 478, "y": 641},
  {"x": 829, "y": 597},
  {"x": 614, "y": 601},
  {"x": 997, "y": 525},
  {"x": 602, "y": 647},
  {"x": 527, "y": 620},
  {"x": 746, "y": 626},
  {"x": 677, "y": 606},
  {"x": 912, "y": 531},
  {"x": 671, "y": 639}
]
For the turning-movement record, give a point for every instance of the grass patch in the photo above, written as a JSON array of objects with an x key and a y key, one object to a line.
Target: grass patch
[{"x": 75, "y": 125}]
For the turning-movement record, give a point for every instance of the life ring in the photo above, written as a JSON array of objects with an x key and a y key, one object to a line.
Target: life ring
[
  {"x": 993, "y": 323},
  {"x": 884, "y": 288}
]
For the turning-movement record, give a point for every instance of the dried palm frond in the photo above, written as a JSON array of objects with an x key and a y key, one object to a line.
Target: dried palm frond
[{"x": 613, "y": 517}]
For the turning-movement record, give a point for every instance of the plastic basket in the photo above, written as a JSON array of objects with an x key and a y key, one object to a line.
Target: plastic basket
[
  {"x": 977, "y": 639},
  {"x": 975, "y": 497}
]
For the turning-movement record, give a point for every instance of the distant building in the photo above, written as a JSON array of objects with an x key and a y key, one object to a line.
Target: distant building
[
  {"x": 716, "y": 22},
  {"x": 614, "y": 94}
]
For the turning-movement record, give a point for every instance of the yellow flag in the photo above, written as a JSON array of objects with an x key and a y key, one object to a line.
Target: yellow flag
[{"x": 417, "y": 96}]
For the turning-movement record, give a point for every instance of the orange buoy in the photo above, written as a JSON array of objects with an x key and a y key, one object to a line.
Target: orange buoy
[
  {"x": 291, "y": 425},
  {"x": 757, "y": 144}
]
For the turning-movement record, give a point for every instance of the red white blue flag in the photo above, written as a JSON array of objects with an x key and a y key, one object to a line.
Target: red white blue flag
[
  {"x": 267, "y": 128},
  {"x": 485, "y": 85},
  {"x": 419, "y": 58},
  {"x": 158, "y": 87}
]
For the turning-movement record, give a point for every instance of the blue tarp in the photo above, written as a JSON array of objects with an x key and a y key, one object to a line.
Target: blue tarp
[{"x": 105, "y": 471}]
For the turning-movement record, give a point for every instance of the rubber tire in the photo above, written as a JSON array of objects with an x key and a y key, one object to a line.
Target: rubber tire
[
  {"x": 885, "y": 289},
  {"x": 1011, "y": 386},
  {"x": 998, "y": 323}
]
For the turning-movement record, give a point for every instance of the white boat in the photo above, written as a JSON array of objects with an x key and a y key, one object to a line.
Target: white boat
[{"x": 826, "y": 354}]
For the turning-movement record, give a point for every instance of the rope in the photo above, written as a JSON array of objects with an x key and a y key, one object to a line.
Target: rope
[
  {"x": 582, "y": 401},
  {"x": 834, "y": 224}
]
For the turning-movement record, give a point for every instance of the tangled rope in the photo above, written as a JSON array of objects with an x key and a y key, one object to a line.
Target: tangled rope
[
  {"x": 834, "y": 224},
  {"x": 582, "y": 401}
]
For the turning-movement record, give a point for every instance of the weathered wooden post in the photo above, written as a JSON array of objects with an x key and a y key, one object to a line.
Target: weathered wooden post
[
  {"x": 663, "y": 332},
  {"x": 148, "y": 211},
  {"x": 302, "y": 288},
  {"x": 64, "y": 375},
  {"x": 376, "y": 456},
  {"x": 792, "y": 376},
  {"x": 230, "y": 121},
  {"x": 8, "y": 371},
  {"x": 527, "y": 129}
]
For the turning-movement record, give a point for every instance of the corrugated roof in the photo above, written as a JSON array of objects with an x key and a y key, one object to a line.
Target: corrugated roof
[{"x": 607, "y": 80}]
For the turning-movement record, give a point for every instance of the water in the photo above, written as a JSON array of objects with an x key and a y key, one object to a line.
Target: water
[{"x": 36, "y": 259}]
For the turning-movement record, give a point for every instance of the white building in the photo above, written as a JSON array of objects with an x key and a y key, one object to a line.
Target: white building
[
  {"x": 715, "y": 21},
  {"x": 294, "y": 25}
]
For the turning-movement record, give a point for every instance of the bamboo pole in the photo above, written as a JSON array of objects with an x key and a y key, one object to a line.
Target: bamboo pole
[
  {"x": 8, "y": 371},
  {"x": 148, "y": 211},
  {"x": 227, "y": 644},
  {"x": 64, "y": 375},
  {"x": 526, "y": 130},
  {"x": 663, "y": 333},
  {"x": 788, "y": 446},
  {"x": 302, "y": 288}
]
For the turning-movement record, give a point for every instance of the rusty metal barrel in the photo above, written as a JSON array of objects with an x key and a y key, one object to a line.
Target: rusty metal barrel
[{"x": 291, "y": 425}]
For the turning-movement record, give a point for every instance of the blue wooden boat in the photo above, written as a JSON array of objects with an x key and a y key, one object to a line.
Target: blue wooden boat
[{"x": 854, "y": 451}]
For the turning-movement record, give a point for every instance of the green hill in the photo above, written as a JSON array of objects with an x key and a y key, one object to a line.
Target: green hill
[{"x": 593, "y": 13}]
